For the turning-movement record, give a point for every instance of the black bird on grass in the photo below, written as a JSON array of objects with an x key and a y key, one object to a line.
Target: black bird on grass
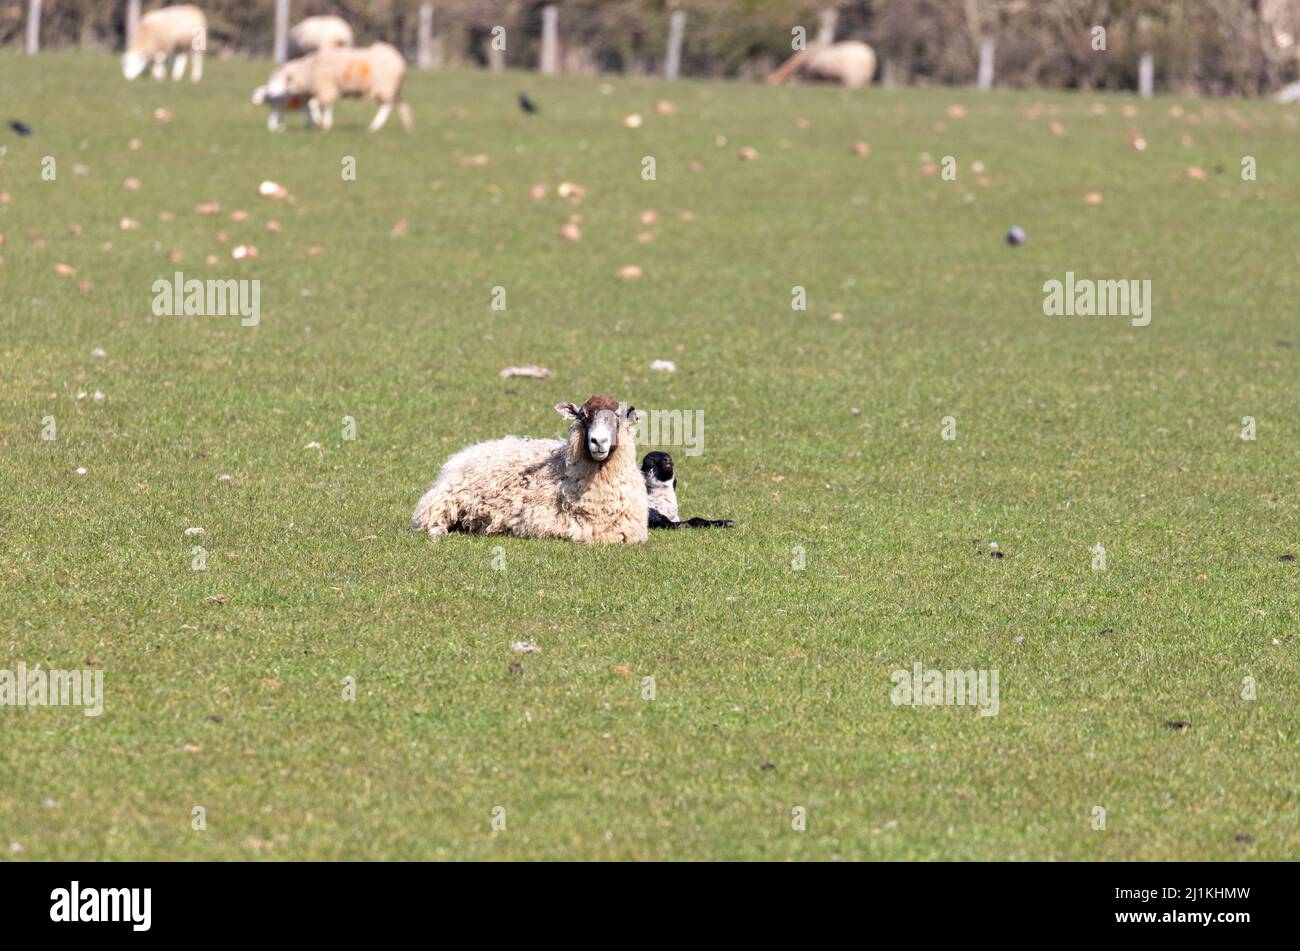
[
  {"x": 528, "y": 105},
  {"x": 22, "y": 128}
]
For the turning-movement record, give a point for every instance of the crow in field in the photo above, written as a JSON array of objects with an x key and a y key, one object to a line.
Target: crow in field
[
  {"x": 527, "y": 105},
  {"x": 22, "y": 128}
]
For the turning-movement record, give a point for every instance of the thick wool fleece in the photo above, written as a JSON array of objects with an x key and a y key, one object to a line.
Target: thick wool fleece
[
  {"x": 318, "y": 32},
  {"x": 168, "y": 30},
  {"x": 662, "y": 497},
  {"x": 852, "y": 63},
  {"x": 539, "y": 488},
  {"x": 372, "y": 72}
]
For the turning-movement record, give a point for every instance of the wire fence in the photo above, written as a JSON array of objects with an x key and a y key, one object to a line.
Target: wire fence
[{"x": 1242, "y": 47}]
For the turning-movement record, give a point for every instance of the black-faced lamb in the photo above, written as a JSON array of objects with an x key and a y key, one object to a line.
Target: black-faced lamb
[{"x": 661, "y": 495}]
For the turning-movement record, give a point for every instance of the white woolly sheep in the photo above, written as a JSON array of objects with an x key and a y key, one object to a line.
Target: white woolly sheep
[
  {"x": 852, "y": 63},
  {"x": 316, "y": 33},
  {"x": 373, "y": 72},
  {"x": 175, "y": 32},
  {"x": 586, "y": 488}
]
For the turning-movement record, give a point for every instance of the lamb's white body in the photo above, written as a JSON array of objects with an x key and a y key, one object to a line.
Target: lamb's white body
[
  {"x": 662, "y": 497},
  {"x": 539, "y": 488},
  {"x": 315, "y": 33},
  {"x": 177, "y": 32},
  {"x": 374, "y": 72}
]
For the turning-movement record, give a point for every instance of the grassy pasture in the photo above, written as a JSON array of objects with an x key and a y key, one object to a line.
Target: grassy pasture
[{"x": 771, "y": 685}]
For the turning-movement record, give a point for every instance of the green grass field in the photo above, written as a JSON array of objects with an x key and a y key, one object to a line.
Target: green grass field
[{"x": 224, "y": 687}]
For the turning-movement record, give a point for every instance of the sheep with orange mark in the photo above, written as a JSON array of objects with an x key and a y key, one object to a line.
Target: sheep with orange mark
[{"x": 375, "y": 72}]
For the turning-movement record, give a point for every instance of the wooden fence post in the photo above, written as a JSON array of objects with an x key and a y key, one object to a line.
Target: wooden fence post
[
  {"x": 496, "y": 55},
  {"x": 424, "y": 42},
  {"x": 550, "y": 63},
  {"x": 1146, "y": 75},
  {"x": 985, "y": 80},
  {"x": 676, "y": 31},
  {"x": 826, "y": 32},
  {"x": 132, "y": 19},
  {"x": 281, "y": 50},
  {"x": 33, "y": 27}
]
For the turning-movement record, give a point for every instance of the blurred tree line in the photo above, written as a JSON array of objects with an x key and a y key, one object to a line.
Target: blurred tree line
[{"x": 1208, "y": 46}]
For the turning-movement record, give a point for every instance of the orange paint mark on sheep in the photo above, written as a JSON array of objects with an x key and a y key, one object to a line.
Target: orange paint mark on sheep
[{"x": 356, "y": 75}]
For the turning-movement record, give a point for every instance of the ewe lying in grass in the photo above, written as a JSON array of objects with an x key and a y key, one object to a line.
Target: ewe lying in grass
[{"x": 586, "y": 488}]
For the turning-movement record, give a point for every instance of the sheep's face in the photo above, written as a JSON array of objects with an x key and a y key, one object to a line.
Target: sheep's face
[
  {"x": 293, "y": 78},
  {"x": 657, "y": 467},
  {"x": 133, "y": 63},
  {"x": 277, "y": 86},
  {"x": 598, "y": 419}
]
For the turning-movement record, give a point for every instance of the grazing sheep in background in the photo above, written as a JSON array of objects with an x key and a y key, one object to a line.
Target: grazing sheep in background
[
  {"x": 317, "y": 33},
  {"x": 852, "y": 63},
  {"x": 661, "y": 495},
  {"x": 373, "y": 72},
  {"x": 171, "y": 31},
  {"x": 585, "y": 488}
]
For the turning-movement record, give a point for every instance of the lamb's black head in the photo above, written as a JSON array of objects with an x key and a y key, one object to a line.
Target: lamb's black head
[
  {"x": 658, "y": 467},
  {"x": 599, "y": 419}
]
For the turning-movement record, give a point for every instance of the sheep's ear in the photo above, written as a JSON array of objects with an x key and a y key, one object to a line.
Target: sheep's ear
[
  {"x": 568, "y": 410},
  {"x": 630, "y": 415}
]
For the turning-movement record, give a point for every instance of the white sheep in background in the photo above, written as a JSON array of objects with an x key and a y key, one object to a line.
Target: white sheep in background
[
  {"x": 852, "y": 63},
  {"x": 170, "y": 32},
  {"x": 373, "y": 72},
  {"x": 316, "y": 33},
  {"x": 586, "y": 488}
]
